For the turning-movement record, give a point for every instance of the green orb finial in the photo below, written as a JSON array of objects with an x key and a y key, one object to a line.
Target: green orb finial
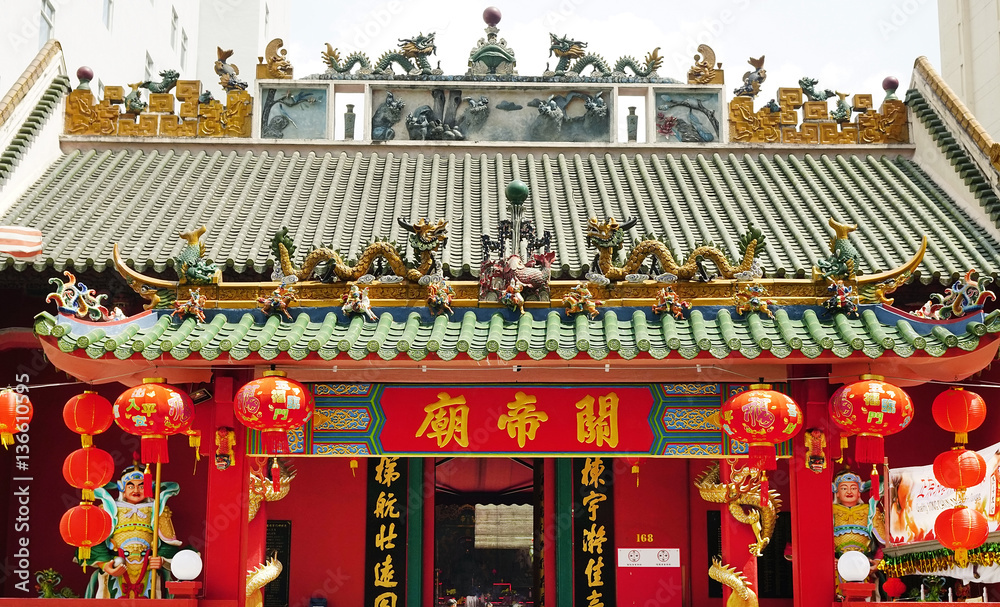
[{"x": 517, "y": 191}]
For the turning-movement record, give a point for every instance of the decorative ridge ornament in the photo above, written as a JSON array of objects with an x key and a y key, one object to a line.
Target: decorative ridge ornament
[
  {"x": 580, "y": 300},
  {"x": 75, "y": 299},
  {"x": 491, "y": 55},
  {"x": 752, "y": 80},
  {"x": 964, "y": 296},
  {"x": 567, "y": 49},
  {"x": 705, "y": 70},
  {"x": 274, "y": 64},
  {"x": 228, "y": 73},
  {"x": 752, "y": 297}
]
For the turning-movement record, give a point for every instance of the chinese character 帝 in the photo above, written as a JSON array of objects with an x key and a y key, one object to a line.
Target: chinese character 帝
[
  {"x": 446, "y": 419},
  {"x": 598, "y": 426},
  {"x": 521, "y": 420}
]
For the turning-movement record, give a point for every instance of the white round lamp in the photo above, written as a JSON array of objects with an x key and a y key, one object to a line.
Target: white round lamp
[
  {"x": 852, "y": 566},
  {"x": 186, "y": 565}
]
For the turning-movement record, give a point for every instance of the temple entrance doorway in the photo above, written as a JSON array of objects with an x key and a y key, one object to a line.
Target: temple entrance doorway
[{"x": 487, "y": 513}]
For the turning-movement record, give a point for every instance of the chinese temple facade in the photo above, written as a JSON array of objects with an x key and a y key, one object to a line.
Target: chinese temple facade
[{"x": 523, "y": 329}]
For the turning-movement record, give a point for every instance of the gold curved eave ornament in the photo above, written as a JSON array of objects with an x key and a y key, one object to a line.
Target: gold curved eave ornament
[
  {"x": 145, "y": 286},
  {"x": 872, "y": 279}
]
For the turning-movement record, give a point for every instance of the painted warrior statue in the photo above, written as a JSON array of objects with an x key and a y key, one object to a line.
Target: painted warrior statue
[
  {"x": 125, "y": 562},
  {"x": 857, "y": 525}
]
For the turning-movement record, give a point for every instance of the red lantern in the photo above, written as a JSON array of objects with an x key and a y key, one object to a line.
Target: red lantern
[
  {"x": 894, "y": 587},
  {"x": 154, "y": 411},
  {"x": 273, "y": 404},
  {"x": 88, "y": 414},
  {"x": 761, "y": 417},
  {"x": 15, "y": 415},
  {"x": 959, "y": 469},
  {"x": 84, "y": 526},
  {"x": 959, "y": 411},
  {"x": 872, "y": 409},
  {"x": 961, "y": 529},
  {"x": 88, "y": 469}
]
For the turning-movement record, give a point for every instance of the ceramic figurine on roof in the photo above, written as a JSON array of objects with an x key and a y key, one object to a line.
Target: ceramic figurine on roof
[
  {"x": 228, "y": 73},
  {"x": 609, "y": 236},
  {"x": 497, "y": 277},
  {"x": 492, "y": 56},
  {"x": 194, "y": 306},
  {"x": 704, "y": 70},
  {"x": 668, "y": 301},
  {"x": 567, "y": 49},
  {"x": 419, "y": 48},
  {"x": 841, "y": 113},
  {"x": 191, "y": 265},
  {"x": 842, "y": 300},
  {"x": 331, "y": 57},
  {"x": 75, "y": 299},
  {"x": 844, "y": 261},
  {"x": 752, "y": 80},
  {"x": 439, "y": 296},
  {"x": 808, "y": 86},
  {"x": 356, "y": 301},
  {"x": 386, "y": 115},
  {"x": 274, "y": 64},
  {"x": 964, "y": 296},
  {"x": 425, "y": 238},
  {"x": 580, "y": 300},
  {"x": 133, "y": 101},
  {"x": 165, "y": 85},
  {"x": 512, "y": 297},
  {"x": 278, "y": 301},
  {"x": 752, "y": 297}
]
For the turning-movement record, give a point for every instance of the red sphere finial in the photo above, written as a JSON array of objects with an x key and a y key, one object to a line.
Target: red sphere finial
[
  {"x": 890, "y": 83},
  {"x": 492, "y": 16},
  {"x": 85, "y": 73}
]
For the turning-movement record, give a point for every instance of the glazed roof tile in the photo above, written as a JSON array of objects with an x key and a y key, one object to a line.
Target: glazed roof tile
[
  {"x": 622, "y": 333},
  {"x": 49, "y": 102},
  {"x": 89, "y": 200}
]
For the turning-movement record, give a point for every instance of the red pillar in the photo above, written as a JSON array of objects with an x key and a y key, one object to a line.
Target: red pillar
[
  {"x": 429, "y": 588},
  {"x": 226, "y": 509},
  {"x": 736, "y": 540},
  {"x": 549, "y": 522},
  {"x": 811, "y": 499}
]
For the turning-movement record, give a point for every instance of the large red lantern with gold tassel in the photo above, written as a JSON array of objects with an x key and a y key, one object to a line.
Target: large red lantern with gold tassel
[
  {"x": 761, "y": 417},
  {"x": 959, "y": 411},
  {"x": 959, "y": 469},
  {"x": 153, "y": 411},
  {"x": 15, "y": 415},
  {"x": 273, "y": 404},
  {"x": 88, "y": 414},
  {"x": 88, "y": 469},
  {"x": 85, "y": 526},
  {"x": 872, "y": 409},
  {"x": 961, "y": 529}
]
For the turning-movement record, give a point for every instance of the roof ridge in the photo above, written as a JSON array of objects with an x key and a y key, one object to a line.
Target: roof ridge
[
  {"x": 26, "y": 134},
  {"x": 958, "y": 110},
  {"x": 31, "y": 74}
]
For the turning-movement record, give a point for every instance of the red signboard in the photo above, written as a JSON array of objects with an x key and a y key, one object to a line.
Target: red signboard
[{"x": 529, "y": 419}]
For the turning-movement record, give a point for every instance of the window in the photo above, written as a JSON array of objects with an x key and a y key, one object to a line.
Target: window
[
  {"x": 184, "y": 48},
  {"x": 149, "y": 67},
  {"x": 47, "y": 23},
  {"x": 267, "y": 22},
  {"x": 109, "y": 8},
  {"x": 175, "y": 23}
]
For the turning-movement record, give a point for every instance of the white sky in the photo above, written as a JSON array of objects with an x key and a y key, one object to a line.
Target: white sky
[{"x": 849, "y": 47}]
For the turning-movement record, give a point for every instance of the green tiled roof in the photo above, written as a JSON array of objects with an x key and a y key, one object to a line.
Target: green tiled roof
[
  {"x": 622, "y": 333},
  {"x": 88, "y": 200},
  {"x": 43, "y": 110},
  {"x": 978, "y": 183}
]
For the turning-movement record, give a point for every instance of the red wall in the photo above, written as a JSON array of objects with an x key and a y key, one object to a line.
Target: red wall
[
  {"x": 49, "y": 496},
  {"x": 326, "y": 505}
]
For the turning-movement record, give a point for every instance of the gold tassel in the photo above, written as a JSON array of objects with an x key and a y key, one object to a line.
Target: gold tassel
[
  {"x": 354, "y": 468},
  {"x": 88, "y": 495},
  {"x": 6, "y": 438},
  {"x": 961, "y": 438},
  {"x": 961, "y": 557},
  {"x": 843, "y": 448},
  {"x": 87, "y": 440},
  {"x": 84, "y": 553},
  {"x": 635, "y": 471}
]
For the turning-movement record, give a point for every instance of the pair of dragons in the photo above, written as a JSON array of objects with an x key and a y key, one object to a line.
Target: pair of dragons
[{"x": 421, "y": 46}]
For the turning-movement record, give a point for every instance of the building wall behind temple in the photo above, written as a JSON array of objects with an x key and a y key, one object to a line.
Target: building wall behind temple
[
  {"x": 970, "y": 56},
  {"x": 49, "y": 496}
]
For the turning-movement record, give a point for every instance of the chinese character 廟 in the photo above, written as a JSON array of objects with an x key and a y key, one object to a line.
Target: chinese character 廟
[{"x": 446, "y": 419}]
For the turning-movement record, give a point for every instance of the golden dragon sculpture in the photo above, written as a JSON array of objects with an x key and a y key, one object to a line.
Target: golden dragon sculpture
[
  {"x": 742, "y": 495},
  {"x": 608, "y": 237},
  {"x": 425, "y": 238},
  {"x": 260, "y": 576},
  {"x": 742, "y": 596},
  {"x": 262, "y": 489}
]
